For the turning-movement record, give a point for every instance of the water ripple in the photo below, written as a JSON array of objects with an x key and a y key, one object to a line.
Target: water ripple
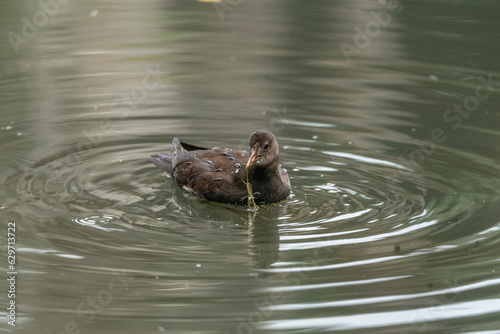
[
  {"x": 358, "y": 230},
  {"x": 383, "y": 319}
]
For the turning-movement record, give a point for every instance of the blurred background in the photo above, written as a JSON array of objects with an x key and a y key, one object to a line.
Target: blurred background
[{"x": 387, "y": 115}]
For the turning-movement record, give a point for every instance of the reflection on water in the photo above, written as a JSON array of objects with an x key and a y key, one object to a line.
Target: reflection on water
[{"x": 386, "y": 114}]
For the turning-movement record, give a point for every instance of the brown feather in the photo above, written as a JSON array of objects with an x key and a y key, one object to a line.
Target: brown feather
[{"x": 218, "y": 174}]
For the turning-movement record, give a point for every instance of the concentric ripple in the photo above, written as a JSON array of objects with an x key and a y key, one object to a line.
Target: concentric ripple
[
  {"x": 98, "y": 221},
  {"x": 357, "y": 232},
  {"x": 372, "y": 226}
]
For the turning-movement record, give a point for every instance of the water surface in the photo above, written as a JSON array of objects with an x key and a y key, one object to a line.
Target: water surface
[{"x": 387, "y": 118}]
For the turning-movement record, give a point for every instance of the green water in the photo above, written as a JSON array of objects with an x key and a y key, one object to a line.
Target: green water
[{"x": 387, "y": 116}]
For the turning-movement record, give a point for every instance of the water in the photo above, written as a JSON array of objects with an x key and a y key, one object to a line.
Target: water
[{"x": 387, "y": 119}]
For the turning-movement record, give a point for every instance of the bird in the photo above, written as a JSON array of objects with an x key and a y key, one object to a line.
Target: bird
[{"x": 220, "y": 174}]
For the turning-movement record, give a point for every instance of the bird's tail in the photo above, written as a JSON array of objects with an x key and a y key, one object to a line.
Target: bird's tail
[{"x": 162, "y": 161}]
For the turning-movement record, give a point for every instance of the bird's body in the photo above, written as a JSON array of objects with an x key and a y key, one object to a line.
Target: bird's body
[{"x": 219, "y": 174}]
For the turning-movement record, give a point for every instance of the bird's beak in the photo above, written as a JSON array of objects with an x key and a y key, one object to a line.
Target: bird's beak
[{"x": 253, "y": 158}]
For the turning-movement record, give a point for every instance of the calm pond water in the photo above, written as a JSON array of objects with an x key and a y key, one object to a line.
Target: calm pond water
[{"x": 387, "y": 115}]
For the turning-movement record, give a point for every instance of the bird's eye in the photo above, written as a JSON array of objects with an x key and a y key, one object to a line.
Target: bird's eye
[{"x": 266, "y": 146}]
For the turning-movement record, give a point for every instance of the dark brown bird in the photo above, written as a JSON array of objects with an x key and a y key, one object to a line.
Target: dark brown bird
[{"x": 219, "y": 174}]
